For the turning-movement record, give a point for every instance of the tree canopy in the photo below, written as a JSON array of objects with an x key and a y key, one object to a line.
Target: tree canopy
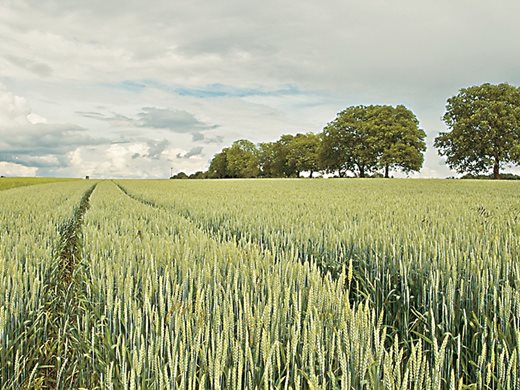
[
  {"x": 274, "y": 157},
  {"x": 484, "y": 123},
  {"x": 483, "y": 136},
  {"x": 218, "y": 166},
  {"x": 240, "y": 160},
  {"x": 303, "y": 153},
  {"x": 363, "y": 139}
]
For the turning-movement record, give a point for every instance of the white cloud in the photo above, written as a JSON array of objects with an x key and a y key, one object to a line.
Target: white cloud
[
  {"x": 128, "y": 160},
  {"x": 35, "y": 118},
  {"x": 14, "y": 110},
  {"x": 10, "y": 169},
  {"x": 27, "y": 140}
]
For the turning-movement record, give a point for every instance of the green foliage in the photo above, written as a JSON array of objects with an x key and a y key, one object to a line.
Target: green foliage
[
  {"x": 196, "y": 175},
  {"x": 400, "y": 139},
  {"x": 180, "y": 175},
  {"x": 240, "y": 160},
  {"x": 303, "y": 153},
  {"x": 270, "y": 164},
  {"x": 274, "y": 158},
  {"x": 199, "y": 175},
  {"x": 290, "y": 155},
  {"x": 363, "y": 139},
  {"x": 349, "y": 144},
  {"x": 484, "y": 123},
  {"x": 218, "y": 166},
  {"x": 503, "y": 176}
]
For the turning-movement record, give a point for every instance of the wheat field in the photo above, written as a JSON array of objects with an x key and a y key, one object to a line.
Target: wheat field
[{"x": 260, "y": 284}]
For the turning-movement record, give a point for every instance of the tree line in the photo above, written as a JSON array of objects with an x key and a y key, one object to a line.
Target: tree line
[{"x": 375, "y": 140}]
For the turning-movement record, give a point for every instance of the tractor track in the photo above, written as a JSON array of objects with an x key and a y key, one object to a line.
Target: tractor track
[
  {"x": 324, "y": 265},
  {"x": 60, "y": 355}
]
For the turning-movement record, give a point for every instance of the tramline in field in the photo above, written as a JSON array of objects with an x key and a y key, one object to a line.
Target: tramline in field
[
  {"x": 261, "y": 284},
  {"x": 30, "y": 222}
]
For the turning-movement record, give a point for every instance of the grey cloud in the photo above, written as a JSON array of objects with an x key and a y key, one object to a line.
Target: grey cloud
[
  {"x": 93, "y": 115},
  {"x": 120, "y": 141},
  {"x": 36, "y": 67},
  {"x": 43, "y": 145},
  {"x": 194, "y": 152},
  {"x": 114, "y": 118},
  {"x": 351, "y": 47},
  {"x": 178, "y": 121},
  {"x": 199, "y": 137},
  {"x": 155, "y": 149},
  {"x": 30, "y": 159},
  {"x": 46, "y": 137},
  {"x": 218, "y": 139}
]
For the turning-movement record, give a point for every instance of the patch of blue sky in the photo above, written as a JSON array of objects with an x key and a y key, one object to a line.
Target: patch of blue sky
[
  {"x": 128, "y": 85},
  {"x": 208, "y": 91},
  {"x": 140, "y": 85},
  {"x": 221, "y": 90}
]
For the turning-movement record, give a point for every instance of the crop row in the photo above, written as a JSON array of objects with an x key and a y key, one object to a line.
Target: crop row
[{"x": 422, "y": 252}]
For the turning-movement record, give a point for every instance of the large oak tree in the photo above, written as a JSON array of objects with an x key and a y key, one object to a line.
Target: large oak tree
[
  {"x": 484, "y": 123},
  {"x": 363, "y": 139}
]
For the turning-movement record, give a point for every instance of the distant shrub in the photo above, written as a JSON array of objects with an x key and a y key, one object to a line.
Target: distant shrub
[
  {"x": 503, "y": 176},
  {"x": 180, "y": 175}
]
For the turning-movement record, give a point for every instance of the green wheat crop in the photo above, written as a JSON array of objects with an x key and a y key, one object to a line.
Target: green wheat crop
[{"x": 261, "y": 284}]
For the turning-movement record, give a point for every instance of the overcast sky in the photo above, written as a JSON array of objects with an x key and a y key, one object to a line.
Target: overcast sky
[{"x": 113, "y": 88}]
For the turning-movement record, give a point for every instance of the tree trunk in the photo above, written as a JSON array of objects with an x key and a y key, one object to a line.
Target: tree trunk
[
  {"x": 496, "y": 169},
  {"x": 386, "y": 171},
  {"x": 361, "y": 171},
  {"x": 310, "y": 174}
]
